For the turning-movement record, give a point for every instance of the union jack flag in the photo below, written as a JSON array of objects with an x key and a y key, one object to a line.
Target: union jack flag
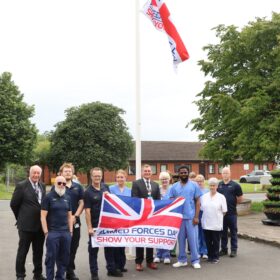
[{"x": 131, "y": 221}]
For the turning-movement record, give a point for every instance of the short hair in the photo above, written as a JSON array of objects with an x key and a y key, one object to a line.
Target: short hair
[
  {"x": 192, "y": 175},
  {"x": 35, "y": 167},
  {"x": 164, "y": 175},
  {"x": 146, "y": 165},
  {"x": 199, "y": 177},
  {"x": 213, "y": 181},
  {"x": 67, "y": 165},
  {"x": 121, "y": 171},
  {"x": 183, "y": 167},
  {"x": 95, "y": 169}
]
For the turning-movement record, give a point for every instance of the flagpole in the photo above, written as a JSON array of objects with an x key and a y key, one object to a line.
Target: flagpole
[{"x": 137, "y": 94}]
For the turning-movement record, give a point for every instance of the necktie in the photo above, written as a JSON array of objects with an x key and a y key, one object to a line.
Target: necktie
[
  {"x": 148, "y": 186},
  {"x": 37, "y": 191}
]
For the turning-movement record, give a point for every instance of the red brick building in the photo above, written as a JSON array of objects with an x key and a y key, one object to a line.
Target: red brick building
[{"x": 167, "y": 155}]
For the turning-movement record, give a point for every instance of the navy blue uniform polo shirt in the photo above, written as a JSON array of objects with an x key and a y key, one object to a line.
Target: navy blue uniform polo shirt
[
  {"x": 230, "y": 190},
  {"x": 58, "y": 208},
  {"x": 76, "y": 193},
  {"x": 93, "y": 200}
]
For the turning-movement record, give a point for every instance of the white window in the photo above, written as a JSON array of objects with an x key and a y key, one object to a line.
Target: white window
[{"x": 211, "y": 168}]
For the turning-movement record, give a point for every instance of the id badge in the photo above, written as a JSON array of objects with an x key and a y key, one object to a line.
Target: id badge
[{"x": 76, "y": 225}]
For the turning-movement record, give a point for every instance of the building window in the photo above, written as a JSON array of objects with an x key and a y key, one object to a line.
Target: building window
[
  {"x": 176, "y": 167},
  {"x": 256, "y": 167},
  {"x": 265, "y": 167},
  {"x": 163, "y": 167},
  {"x": 131, "y": 170},
  {"x": 211, "y": 168},
  {"x": 220, "y": 168},
  {"x": 154, "y": 169}
]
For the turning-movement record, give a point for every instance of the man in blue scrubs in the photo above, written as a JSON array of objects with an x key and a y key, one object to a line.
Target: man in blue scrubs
[
  {"x": 56, "y": 219},
  {"x": 188, "y": 230}
]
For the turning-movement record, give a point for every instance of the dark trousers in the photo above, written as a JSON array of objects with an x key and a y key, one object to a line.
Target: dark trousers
[
  {"x": 212, "y": 239},
  {"x": 109, "y": 257},
  {"x": 230, "y": 222},
  {"x": 73, "y": 249},
  {"x": 120, "y": 258},
  {"x": 25, "y": 239},
  {"x": 140, "y": 255},
  {"x": 58, "y": 251}
]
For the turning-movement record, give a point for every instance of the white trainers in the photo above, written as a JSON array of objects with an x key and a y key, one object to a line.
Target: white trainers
[
  {"x": 196, "y": 266},
  {"x": 179, "y": 264},
  {"x": 166, "y": 261},
  {"x": 156, "y": 260},
  {"x": 205, "y": 257}
]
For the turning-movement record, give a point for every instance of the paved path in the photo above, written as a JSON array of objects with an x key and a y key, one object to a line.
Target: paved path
[
  {"x": 255, "y": 260},
  {"x": 257, "y": 197}
]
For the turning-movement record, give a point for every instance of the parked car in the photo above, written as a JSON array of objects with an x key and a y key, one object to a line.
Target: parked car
[{"x": 254, "y": 176}]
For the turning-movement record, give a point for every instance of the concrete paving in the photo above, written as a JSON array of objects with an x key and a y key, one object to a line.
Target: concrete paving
[
  {"x": 255, "y": 259},
  {"x": 255, "y": 197}
]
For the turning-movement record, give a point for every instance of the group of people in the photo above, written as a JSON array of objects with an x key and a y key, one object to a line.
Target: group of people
[{"x": 55, "y": 217}]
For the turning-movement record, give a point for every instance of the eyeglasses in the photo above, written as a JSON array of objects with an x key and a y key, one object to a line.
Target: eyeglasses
[{"x": 61, "y": 183}]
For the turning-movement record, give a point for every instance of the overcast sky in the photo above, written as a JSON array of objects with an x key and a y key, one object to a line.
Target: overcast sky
[{"x": 65, "y": 53}]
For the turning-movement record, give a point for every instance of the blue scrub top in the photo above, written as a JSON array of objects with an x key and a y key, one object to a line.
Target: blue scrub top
[
  {"x": 114, "y": 189},
  {"x": 190, "y": 191},
  {"x": 58, "y": 208}
]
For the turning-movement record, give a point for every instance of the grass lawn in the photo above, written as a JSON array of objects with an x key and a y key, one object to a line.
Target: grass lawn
[
  {"x": 257, "y": 207},
  {"x": 4, "y": 194}
]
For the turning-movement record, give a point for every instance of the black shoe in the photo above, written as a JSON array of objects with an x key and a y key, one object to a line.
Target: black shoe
[
  {"x": 20, "y": 278},
  {"x": 71, "y": 276},
  {"x": 123, "y": 270},
  {"x": 223, "y": 253},
  {"x": 94, "y": 277},
  {"x": 115, "y": 273},
  {"x": 233, "y": 254},
  {"x": 41, "y": 277}
]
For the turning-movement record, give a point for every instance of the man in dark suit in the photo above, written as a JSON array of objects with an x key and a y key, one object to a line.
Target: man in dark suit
[
  {"x": 26, "y": 205},
  {"x": 145, "y": 188}
]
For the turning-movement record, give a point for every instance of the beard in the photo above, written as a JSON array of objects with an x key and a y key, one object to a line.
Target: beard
[
  {"x": 184, "y": 179},
  {"x": 59, "y": 191}
]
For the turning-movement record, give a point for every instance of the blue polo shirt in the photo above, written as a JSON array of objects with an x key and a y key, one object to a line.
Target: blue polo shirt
[
  {"x": 76, "y": 193},
  {"x": 190, "y": 191},
  {"x": 114, "y": 189},
  {"x": 93, "y": 200},
  {"x": 58, "y": 208},
  {"x": 230, "y": 190}
]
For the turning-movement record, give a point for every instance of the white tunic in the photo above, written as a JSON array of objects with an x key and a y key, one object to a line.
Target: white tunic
[{"x": 213, "y": 208}]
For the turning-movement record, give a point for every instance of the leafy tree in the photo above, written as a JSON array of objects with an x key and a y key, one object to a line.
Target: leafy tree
[
  {"x": 17, "y": 133},
  {"x": 240, "y": 105},
  {"x": 92, "y": 134}
]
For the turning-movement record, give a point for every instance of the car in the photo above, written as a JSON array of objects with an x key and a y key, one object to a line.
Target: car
[{"x": 255, "y": 176}]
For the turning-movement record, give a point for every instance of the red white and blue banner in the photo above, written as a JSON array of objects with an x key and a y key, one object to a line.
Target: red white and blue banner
[
  {"x": 137, "y": 222},
  {"x": 158, "y": 13}
]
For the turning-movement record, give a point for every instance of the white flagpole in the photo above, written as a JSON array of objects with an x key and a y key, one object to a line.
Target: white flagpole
[
  {"x": 131, "y": 250},
  {"x": 137, "y": 93}
]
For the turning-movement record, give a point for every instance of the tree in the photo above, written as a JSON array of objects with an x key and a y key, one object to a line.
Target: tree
[
  {"x": 17, "y": 133},
  {"x": 92, "y": 134},
  {"x": 240, "y": 105}
]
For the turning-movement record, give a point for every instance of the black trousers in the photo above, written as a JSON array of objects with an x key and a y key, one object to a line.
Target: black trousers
[
  {"x": 120, "y": 258},
  {"x": 140, "y": 255},
  {"x": 73, "y": 249},
  {"x": 212, "y": 239},
  {"x": 109, "y": 257},
  {"x": 25, "y": 239}
]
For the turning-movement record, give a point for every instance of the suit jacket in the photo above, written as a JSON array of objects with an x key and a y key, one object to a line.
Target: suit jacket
[
  {"x": 25, "y": 205},
  {"x": 139, "y": 189}
]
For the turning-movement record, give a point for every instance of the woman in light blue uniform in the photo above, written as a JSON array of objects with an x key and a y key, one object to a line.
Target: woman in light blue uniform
[
  {"x": 202, "y": 248},
  {"x": 163, "y": 254},
  {"x": 120, "y": 189}
]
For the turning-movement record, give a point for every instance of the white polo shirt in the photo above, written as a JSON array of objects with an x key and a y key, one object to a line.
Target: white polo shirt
[{"x": 213, "y": 211}]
